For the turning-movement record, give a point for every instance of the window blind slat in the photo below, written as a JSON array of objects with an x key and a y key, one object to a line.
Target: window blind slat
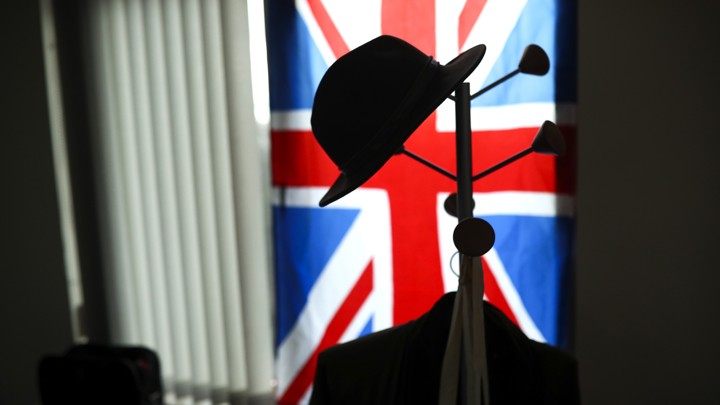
[
  {"x": 184, "y": 169},
  {"x": 250, "y": 210},
  {"x": 222, "y": 170},
  {"x": 169, "y": 211},
  {"x": 123, "y": 323},
  {"x": 205, "y": 196},
  {"x": 182, "y": 202},
  {"x": 131, "y": 174},
  {"x": 149, "y": 186}
]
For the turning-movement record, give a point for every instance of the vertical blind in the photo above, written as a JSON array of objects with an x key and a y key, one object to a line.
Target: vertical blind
[{"x": 183, "y": 202}]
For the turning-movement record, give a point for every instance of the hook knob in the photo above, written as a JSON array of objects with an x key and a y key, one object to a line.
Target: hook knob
[
  {"x": 534, "y": 61},
  {"x": 549, "y": 140},
  {"x": 450, "y": 204},
  {"x": 473, "y": 237}
]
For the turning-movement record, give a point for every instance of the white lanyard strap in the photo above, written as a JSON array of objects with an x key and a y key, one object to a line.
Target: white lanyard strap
[{"x": 466, "y": 340}]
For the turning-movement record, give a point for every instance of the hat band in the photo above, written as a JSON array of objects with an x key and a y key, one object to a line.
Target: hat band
[{"x": 422, "y": 81}]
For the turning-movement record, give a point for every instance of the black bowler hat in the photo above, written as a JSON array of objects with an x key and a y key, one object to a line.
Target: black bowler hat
[{"x": 371, "y": 100}]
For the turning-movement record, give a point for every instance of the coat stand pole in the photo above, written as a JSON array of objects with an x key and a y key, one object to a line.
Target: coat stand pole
[
  {"x": 463, "y": 151},
  {"x": 473, "y": 378}
]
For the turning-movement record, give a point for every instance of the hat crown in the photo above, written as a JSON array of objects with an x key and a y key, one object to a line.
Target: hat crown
[
  {"x": 360, "y": 93},
  {"x": 373, "y": 98}
]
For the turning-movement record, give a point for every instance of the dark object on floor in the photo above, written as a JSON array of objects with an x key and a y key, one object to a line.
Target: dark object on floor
[{"x": 100, "y": 374}]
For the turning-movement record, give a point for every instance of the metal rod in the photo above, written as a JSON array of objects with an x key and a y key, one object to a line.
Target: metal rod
[
  {"x": 495, "y": 83},
  {"x": 490, "y": 86},
  {"x": 501, "y": 164},
  {"x": 428, "y": 164}
]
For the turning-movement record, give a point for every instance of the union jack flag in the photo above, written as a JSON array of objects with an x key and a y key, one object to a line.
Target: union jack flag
[{"x": 382, "y": 255}]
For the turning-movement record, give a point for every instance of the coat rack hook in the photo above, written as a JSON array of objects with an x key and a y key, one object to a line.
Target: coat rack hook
[
  {"x": 534, "y": 61},
  {"x": 548, "y": 141},
  {"x": 473, "y": 237}
]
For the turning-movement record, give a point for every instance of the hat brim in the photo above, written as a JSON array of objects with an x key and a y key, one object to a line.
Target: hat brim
[{"x": 445, "y": 81}]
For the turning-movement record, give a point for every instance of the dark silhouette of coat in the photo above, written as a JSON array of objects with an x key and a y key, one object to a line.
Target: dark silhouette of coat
[{"x": 402, "y": 365}]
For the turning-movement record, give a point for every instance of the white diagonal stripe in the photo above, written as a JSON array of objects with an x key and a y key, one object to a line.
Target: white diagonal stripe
[
  {"x": 367, "y": 239},
  {"x": 346, "y": 14},
  {"x": 512, "y": 297},
  {"x": 492, "y": 28},
  {"x": 316, "y": 33},
  {"x": 330, "y": 290}
]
